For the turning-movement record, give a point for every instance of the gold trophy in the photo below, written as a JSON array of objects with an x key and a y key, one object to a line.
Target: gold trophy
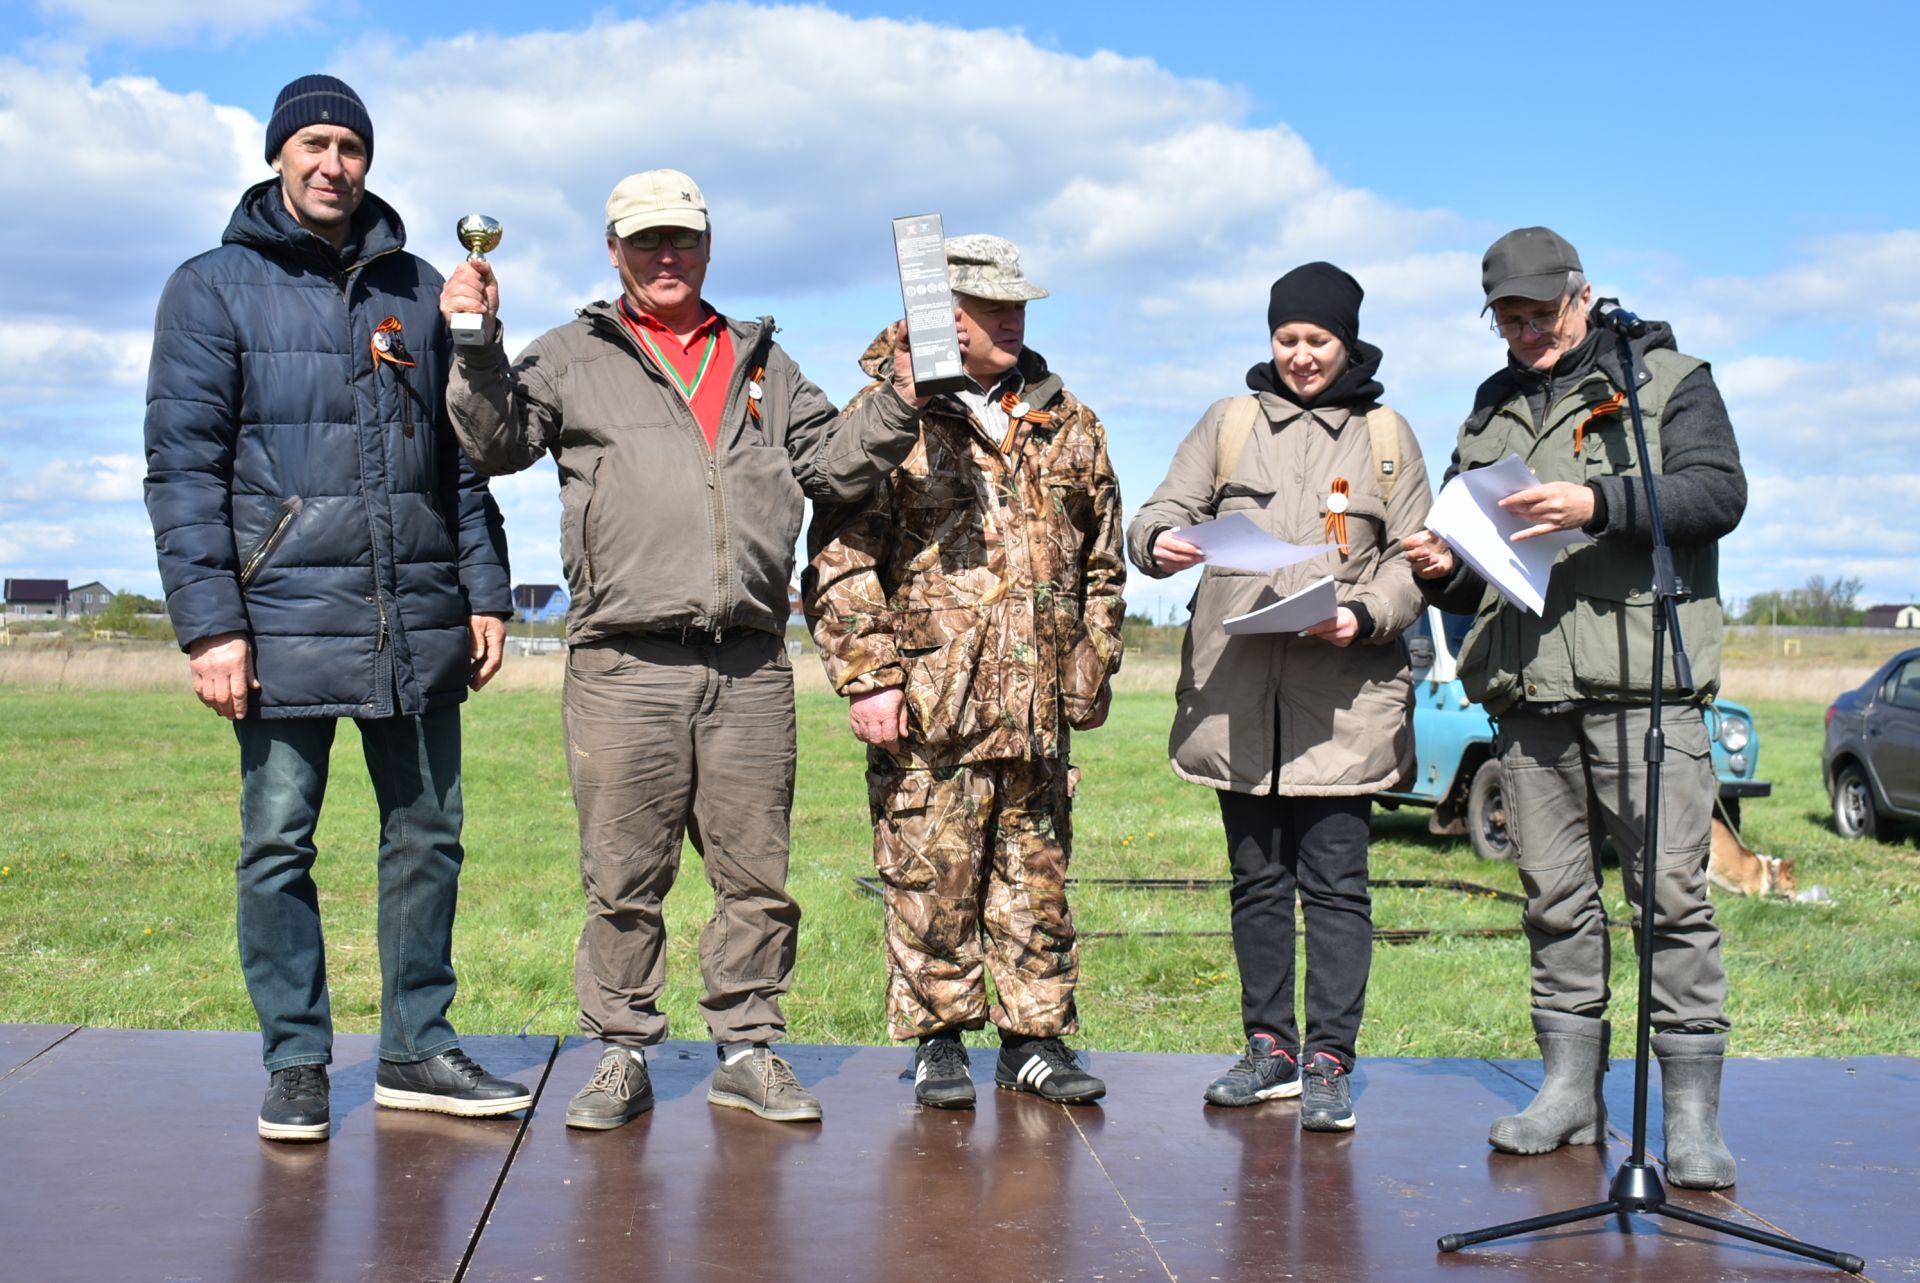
[{"x": 479, "y": 234}]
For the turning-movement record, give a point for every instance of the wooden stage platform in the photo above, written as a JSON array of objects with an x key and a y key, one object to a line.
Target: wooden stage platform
[{"x": 130, "y": 1156}]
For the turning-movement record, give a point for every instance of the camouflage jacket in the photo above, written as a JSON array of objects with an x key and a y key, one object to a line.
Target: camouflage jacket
[{"x": 985, "y": 583}]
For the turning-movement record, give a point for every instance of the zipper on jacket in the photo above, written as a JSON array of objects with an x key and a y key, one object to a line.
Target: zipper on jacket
[
  {"x": 289, "y": 509},
  {"x": 716, "y": 503},
  {"x": 345, "y": 280}
]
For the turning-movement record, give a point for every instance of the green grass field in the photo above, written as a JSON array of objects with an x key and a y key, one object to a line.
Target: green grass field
[{"x": 118, "y": 832}]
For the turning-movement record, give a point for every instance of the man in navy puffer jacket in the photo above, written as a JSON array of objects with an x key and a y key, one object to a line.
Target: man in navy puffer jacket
[{"x": 327, "y": 552}]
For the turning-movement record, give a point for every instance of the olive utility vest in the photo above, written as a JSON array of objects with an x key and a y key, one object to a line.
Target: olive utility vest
[{"x": 1594, "y": 638}]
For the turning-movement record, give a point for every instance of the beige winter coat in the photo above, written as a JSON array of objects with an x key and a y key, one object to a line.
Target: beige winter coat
[{"x": 1338, "y": 721}]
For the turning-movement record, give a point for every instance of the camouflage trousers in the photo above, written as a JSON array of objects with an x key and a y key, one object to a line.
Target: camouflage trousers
[{"x": 973, "y": 860}]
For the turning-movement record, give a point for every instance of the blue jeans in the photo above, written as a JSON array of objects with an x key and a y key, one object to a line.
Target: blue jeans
[{"x": 414, "y": 763}]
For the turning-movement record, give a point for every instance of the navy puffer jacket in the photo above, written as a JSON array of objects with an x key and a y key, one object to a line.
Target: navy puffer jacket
[{"x": 305, "y": 494}]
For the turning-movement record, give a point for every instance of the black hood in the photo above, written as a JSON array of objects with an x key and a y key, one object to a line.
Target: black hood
[
  {"x": 261, "y": 221},
  {"x": 1355, "y": 387}
]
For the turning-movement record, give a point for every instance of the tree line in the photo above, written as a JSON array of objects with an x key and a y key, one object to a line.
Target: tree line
[{"x": 1819, "y": 603}]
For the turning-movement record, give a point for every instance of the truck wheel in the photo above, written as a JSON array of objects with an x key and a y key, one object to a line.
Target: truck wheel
[
  {"x": 1487, "y": 814},
  {"x": 1853, "y": 813}
]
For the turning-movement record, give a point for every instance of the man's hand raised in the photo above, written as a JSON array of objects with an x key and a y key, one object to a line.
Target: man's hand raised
[{"x": 472, "y": 288}]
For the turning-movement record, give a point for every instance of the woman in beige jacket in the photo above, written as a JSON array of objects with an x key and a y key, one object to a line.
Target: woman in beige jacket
[{"x": 1298, "y": 731}]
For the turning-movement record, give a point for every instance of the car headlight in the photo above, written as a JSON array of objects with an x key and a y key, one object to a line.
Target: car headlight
[
  {"x": 1737, "y": 763},
  {"x": 1735, "y": 733}
]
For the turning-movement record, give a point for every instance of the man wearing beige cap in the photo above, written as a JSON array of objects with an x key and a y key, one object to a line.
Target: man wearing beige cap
[
  {"x": 970, "y": 611},
  {"x": 686, "y": 442}
]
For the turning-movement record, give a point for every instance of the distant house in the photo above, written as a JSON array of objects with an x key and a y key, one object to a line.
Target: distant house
[
  {"x": 1907, "y": 616},
  {"x": 36, "y": 598},
  {"x": 89, "y": 599},
  {"x": 539, "y": 603},
  {"x": 793, "y": 601}
]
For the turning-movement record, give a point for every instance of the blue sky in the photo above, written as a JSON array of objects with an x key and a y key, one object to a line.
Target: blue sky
[{"x": 1742, "y": 170}]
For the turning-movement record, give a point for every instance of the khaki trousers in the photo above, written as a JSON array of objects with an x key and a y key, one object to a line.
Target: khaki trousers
[
  {"x": 665, "y": 740},
  {"x": 1573, "y": 777},
  {"x": 973, "y": 861}
]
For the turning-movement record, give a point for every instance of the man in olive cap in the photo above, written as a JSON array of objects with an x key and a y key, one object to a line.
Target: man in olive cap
[
  {"x": 327, "y": 553},
  {"x": 1571, "y": 687},
  {"x": 970, "y": 611}
]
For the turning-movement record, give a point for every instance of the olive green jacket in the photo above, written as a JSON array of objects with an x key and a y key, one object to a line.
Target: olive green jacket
[{"x": 1594, "y": 638}]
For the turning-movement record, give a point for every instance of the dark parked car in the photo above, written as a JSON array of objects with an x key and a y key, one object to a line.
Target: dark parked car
[
  {"x": 1457, "y": 775},
  {"x": 1872, "y": 757}
]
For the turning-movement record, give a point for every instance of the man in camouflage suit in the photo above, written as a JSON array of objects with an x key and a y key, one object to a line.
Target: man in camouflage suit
[{"x": 970, "y": 610}]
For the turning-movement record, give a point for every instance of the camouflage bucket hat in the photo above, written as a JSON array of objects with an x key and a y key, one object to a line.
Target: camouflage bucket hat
[{"x": 988, "y": 267}]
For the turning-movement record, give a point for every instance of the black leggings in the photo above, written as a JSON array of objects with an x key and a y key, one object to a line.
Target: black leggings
[{"x": 1319, "y": 846}]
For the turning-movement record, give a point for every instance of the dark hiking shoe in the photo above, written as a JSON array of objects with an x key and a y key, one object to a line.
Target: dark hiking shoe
[
  {"x": 1047, "y": 1068},
  {"x": 619, "y": 1091},
  {"x": 1326, "y": 1101},
  {"x": 941, "y": 1077},
  {"x": 449, "y": 1083},
  {"x": 1264, "y": 1073},
  {"x": 296, "y": 1105},
  {"x": 763, "y": 1083}
]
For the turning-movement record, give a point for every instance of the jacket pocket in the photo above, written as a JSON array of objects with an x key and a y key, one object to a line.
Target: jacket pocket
[
  {"x": 587, "y": 511},
  {"x": 1240, "y": 496},
  {"x": 940, "y": 675},
  {"x": 283, "y": 520}
]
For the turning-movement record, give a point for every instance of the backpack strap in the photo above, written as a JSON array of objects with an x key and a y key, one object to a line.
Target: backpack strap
[
  {"x": 1235, "y": 428},
  {"x": 1383, "y": 432},
  {"x": 1383, "y": 435}
]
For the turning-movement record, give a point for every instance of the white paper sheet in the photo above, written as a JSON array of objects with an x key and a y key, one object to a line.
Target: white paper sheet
[
  {"x": 1467, "y": 514},
  {"x": 1311, "y": 605},
  {"x": 1236, "y": 543}
]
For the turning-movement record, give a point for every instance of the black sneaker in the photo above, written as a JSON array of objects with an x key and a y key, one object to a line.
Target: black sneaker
[
  {"x": 1263, "y": 1073},
  {"x": 619, "y": 1091},
  {"x": 296, "y": 1105},
  {"x": 449, "y": 1083},
  {"x": 941, "y": 1077},
  {"x": 1047, "y": 1068},
  {"x": 1327, "y": 1103}
]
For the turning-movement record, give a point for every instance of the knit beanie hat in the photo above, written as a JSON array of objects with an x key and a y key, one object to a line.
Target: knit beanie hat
[
  {"x": 1319, "y": 294},
  {"x": 316, "y": 100}
]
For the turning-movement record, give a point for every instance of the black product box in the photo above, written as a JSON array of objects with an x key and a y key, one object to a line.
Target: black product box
[{"x": 920, "y": 243}]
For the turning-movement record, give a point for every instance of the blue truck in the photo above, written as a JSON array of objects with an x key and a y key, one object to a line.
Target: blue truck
[{"x": 1457, "y": 774}]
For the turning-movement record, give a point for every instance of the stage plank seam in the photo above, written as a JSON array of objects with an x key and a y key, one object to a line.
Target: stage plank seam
[
  {"x": 43, "y": 1051},
  {"x": 1118, "y": 1193},
  {"x": 506, "y": 1166}
]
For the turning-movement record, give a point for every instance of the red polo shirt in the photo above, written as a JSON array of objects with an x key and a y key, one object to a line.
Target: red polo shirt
[{"x": 699, "y": 368}]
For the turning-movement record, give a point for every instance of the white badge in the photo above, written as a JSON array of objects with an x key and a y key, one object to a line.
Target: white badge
[
  {"x": 1336, "y": 503},
  {"x": 753, "y": 391},
  {"x": 1020, "y": 410}
]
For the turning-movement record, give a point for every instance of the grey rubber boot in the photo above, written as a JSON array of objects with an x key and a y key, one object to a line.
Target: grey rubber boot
[
  {"x": 1569, "y": 1109},
  {"x": 1697, "y": 1156}
]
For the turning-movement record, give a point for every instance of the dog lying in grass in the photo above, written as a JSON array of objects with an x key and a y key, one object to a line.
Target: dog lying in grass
[{"x": 1736, "y": 867}]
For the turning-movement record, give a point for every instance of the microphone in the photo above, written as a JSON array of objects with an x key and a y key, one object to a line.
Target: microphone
[{"x": 1609, "y": 313}]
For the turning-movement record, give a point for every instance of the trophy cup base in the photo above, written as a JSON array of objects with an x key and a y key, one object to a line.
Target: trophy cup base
[{"x": 469, "y": 328}]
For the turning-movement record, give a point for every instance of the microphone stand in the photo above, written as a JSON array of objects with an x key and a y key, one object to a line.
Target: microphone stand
[{"x": 1636, "y": 1186}]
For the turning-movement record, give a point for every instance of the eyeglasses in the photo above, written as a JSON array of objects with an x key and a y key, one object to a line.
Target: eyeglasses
[
  {"x": 1536, "y": 325},
  {"x": 653, "y": 238}
]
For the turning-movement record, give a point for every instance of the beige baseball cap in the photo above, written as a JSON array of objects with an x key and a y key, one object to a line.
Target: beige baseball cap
[{"x": 657, "y": 198}]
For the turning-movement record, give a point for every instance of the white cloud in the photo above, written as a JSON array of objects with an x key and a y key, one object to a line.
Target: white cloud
[
  {"x": 1147, "y": 201},
  {"x": 166, "y": 21},
  {"x": 49, "y": 361},
  {"x": 112, "y": 478},
  {"x": 112, "y": 185}
]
